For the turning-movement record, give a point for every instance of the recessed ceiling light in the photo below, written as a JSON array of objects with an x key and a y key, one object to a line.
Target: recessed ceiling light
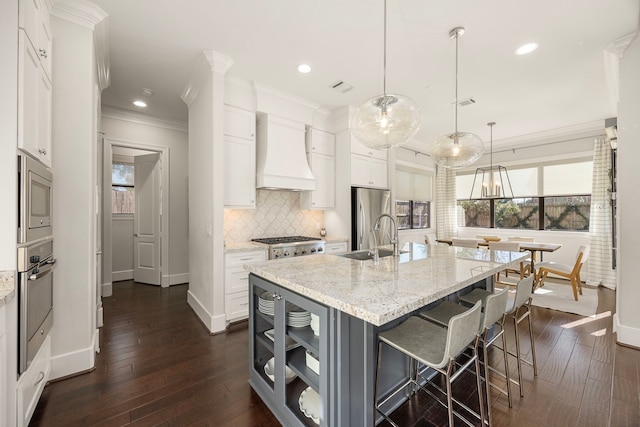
[
  {"x": 139, "y": 103},
  {"x": 526, "y": 48},
  {"x": 304, "y": 68}
]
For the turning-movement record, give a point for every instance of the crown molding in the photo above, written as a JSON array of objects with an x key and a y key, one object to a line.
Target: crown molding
[
  {"x": 90, "y": 16},
  {"x": 618, "y": 46},
  {"x": 273, "y": 101},
  {"x": 209, "y": 61},
  {"x": 582, "y": 130},
  {"x": 79, "y": 12},
  {"x": 135, "y": 117}
]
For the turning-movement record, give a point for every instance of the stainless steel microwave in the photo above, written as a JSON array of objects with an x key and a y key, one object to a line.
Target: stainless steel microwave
[{"x": 35, "y": 201}]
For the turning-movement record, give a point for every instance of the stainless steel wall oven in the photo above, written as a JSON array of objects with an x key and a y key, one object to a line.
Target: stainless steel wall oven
[{"x": 35, "y": 298}]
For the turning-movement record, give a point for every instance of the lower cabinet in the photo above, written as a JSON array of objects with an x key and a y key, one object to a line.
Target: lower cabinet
[
  {"x": 32, "y": 382},
  {"x": 236, "y": 283},
  {"x": 290, "y": 367}
]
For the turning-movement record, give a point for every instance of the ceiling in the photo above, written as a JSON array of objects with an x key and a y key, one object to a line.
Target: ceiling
[{"x": 567, "y": 82}]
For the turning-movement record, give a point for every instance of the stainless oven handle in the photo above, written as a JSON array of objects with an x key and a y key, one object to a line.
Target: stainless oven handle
[{"x": 40, "y": 274}]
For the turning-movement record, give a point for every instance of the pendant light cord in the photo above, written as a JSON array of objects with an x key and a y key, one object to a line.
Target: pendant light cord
[
  {"x": 456, "y": 114},
  {"x": 384, "y": 56}
]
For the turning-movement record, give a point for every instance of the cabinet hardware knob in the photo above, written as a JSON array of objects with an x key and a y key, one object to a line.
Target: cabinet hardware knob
[
  {"x": 42, "y": 151},
  {"x": 43, "y": 53},
  {"x": 135, "y": 234}
]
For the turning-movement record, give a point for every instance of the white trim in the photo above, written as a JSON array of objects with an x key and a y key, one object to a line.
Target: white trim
[
  {"x": 107, "y": 241},
  {"x": 74, "y": 362},
  {"x": 275, "y": 102},
  {"x": 102, "y": 52},
  {"x": 210, "y": 61},
  {"x": 626, "y": 335},
  {"x": 175, "y": 279},
  {"x": 618, "y": 46},
  {"x": 107, "y": 290},
  {"x": 134, "y": 117},
  {"x": 118, "y": 276},
  {"x": 583, "y": 130},
  {"x": 79, "y": 12},
  {"x": 213, "y": 323}
]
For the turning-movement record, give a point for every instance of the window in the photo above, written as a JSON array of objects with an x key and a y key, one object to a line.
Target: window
[
  {"x": 413, "y": 191},
  {"x": 122, "y": 190},
  {"x": 547, "y": 197},
  {"x": 413, "y": 214}
]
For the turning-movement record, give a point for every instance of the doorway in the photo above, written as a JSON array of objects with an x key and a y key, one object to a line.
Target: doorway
[{"x": 135, "y": 228}]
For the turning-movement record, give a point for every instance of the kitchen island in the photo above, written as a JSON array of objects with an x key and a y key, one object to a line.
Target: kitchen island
[{"x": 353, "y": 301}]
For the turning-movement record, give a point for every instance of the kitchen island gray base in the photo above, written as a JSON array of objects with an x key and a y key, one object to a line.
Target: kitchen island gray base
[{"x": 347, "y": 350}]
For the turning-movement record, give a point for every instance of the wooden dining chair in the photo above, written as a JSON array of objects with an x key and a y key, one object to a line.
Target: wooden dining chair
[
  {"x": 464, "y": 243},
  {"x": 571, "y": 272},
  {"x": 430, "y": 239}
]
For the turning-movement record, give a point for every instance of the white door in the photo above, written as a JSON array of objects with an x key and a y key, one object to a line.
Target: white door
[{"x": 146, "y": 221}]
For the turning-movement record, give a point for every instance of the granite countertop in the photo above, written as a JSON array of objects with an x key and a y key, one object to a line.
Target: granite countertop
[
  {"x": 7, "y": 286},
  {"x": 396, "y": 286},
  {"x": 244, "y": 246}
]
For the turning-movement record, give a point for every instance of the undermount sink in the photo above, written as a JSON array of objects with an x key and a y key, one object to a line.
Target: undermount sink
[{"x": 364, "y": 254}]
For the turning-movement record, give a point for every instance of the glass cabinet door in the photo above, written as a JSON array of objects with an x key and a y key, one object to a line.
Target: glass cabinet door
[{"x": 420, "y": 214}]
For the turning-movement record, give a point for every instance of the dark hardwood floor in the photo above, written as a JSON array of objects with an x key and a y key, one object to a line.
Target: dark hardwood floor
[{"x": 159, "y": 366}]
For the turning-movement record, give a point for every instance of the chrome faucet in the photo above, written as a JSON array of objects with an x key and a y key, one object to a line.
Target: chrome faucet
[{"x": 394, "y": 239}]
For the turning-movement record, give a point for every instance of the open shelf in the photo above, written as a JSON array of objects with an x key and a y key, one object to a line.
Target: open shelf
[
  {"x": 306, "y": 337},
  {"x": 298, "y": 363}
]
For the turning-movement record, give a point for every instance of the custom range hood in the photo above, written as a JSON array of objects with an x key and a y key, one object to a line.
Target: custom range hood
[{"x": 281, "y": 162}]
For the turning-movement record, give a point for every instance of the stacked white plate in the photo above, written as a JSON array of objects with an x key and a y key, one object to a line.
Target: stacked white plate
[
  {"x": 297, "y": 317},
  {"x": 265, "y": 303}
]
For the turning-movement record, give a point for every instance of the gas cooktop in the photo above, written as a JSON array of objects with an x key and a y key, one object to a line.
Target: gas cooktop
[{"x": 286, "y": 239}]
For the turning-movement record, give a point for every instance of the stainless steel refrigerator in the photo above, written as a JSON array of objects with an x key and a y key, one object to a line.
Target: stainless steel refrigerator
[{"x": 367, "y": 205}]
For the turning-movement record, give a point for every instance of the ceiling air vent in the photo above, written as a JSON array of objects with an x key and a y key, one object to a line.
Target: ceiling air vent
[
  {"x": 341, "y": 86},
  {"x": 465, "y": 102}
]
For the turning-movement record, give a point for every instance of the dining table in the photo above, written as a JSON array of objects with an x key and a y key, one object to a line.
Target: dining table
[{"x": 532, "y": 247}]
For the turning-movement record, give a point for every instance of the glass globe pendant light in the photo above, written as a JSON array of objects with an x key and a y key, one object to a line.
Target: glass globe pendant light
[
  {"x": 386, "y": 120},
  {"x": 458, "y": 149}
]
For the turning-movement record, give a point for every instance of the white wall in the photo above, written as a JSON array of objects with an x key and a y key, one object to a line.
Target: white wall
[
  {"x": 74, "y": 161},
  {"x": 627, "y": 318},
  {"x": 8, "y": 181},
  {"x": 135, "y": 128},
  {"x": 122, "y": 247}
]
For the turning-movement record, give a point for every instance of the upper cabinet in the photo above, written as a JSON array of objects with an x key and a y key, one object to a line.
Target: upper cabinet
[
  {"x": 34, "y": 76},
  {"x": 368, "y": 166},
  {"x": 239, "y": 158},
  {"x": 320, "y": 148}
]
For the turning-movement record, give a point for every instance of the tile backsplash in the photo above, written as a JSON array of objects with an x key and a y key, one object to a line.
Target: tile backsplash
[{"x": 277, "y": 214}]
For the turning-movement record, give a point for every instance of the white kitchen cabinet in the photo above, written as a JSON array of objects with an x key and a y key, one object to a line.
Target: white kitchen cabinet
[
  {"x": 34, "y": 103},
  {"x": 321, "y": 156},
  {"x": 335, "y": 248},
  {"x": 368, "y": 171},
  {"x": 34, "y": 21},
  {"x": 236, "y": 282},
  {"x": 359, "y": 148},
  {"x": 32, "y": 382},
  {"x": 368, "y": 166},
  {"x": 3, "y": 369},
  {"x": 239, "y": 158}
]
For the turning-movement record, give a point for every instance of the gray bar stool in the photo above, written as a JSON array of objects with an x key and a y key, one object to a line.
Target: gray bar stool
[
  {"x": 494, "y": 315},
  {"x": 522, "y": 300},
  {"x": 436, "y": 348}
]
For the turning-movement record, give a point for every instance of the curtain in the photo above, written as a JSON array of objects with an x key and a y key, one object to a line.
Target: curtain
[
  {"x": 446, "y": 224},
  {"x": 599, "y": 261}
]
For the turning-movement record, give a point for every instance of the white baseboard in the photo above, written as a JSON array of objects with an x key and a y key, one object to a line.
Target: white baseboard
[
  {"x": 627, "y": 335},
  {"x": 63, "y": 365},
  {"x": 214, "y": 324},
  {"x": 117, "y": 276},
  {"x": 175, "y": 279},
  {"x": 107, "y": 289}
]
